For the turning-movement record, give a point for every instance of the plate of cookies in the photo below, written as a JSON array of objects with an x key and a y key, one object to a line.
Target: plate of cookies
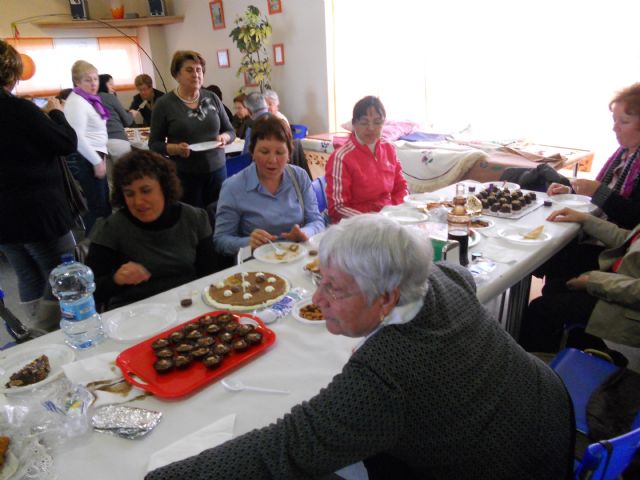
[
  {"x": 280, "y": 252},
  {"x": 524, "y": 236},
  {"x": 305, "y": 311}
]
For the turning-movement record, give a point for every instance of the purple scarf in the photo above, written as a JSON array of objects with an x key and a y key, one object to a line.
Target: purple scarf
[
  {"x": 606, "y": 173},
  {"x": 95, "y": 101}
]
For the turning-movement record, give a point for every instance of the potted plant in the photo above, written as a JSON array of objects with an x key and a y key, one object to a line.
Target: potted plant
[{"x": 251, "y": 34}]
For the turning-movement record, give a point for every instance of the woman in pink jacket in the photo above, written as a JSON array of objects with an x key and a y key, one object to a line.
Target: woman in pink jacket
[{"x": 364, "y": 175}]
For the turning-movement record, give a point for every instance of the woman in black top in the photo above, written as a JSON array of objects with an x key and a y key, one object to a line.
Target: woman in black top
[
  {"x": 35, "y": 224},
  {"x": 154, "y": 242}
]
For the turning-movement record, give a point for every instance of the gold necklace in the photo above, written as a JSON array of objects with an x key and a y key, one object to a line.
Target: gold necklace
[{"x": 194, "y": 100}]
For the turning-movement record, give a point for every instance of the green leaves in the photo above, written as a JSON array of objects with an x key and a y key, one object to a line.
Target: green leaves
[{"x": 250, "y": 34}]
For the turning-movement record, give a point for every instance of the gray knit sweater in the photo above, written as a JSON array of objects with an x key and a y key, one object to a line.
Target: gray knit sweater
[
  {"x": 449, "y": 394},
  {"x": 173, "y": 122}
]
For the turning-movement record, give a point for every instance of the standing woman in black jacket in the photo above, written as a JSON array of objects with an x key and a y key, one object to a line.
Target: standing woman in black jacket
[{"x": 35, "y": 223}]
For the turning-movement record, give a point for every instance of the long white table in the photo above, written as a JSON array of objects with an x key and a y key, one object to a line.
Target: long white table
[{"x": 303, "y": 360}]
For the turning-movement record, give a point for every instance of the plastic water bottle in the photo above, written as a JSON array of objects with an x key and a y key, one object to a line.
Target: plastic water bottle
[
  {"x": 282, "y": 307},
  {"x": 73, "y": 285}
]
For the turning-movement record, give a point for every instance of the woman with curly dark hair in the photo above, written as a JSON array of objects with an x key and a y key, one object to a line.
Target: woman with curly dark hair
[{"x": 153, "y": 242}]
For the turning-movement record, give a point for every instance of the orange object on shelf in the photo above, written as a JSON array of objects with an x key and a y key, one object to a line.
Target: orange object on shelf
[{"x": 117, "y": 11}]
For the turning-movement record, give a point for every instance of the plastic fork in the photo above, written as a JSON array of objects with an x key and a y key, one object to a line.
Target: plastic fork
[{"x": 238, "y": 386}]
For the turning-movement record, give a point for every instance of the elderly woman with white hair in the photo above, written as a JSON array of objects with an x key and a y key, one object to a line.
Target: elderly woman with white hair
[
  {"x": 436, "y": 389},
  {"x": 273, "y": 102}
]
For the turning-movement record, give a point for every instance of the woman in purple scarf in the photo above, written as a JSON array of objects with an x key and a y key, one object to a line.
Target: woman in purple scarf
[
  {"x": 615, "y": 189},
  {"x": 88, "y": 116}
]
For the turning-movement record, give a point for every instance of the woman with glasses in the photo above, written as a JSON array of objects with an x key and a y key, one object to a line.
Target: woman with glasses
[
  {"x": 364, "y": 175},
  {"x": 435, "y": 389}
]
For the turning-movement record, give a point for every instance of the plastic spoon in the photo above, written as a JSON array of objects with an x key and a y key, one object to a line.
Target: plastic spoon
[
  {"x": 278, "y": 250},
  {"x": 238, "y": 386}
]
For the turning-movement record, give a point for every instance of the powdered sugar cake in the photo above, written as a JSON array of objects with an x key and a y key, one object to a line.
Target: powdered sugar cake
[{"x": 246, "y": 291}]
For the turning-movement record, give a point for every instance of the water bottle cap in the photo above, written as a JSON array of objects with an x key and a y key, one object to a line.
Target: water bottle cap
[{"x": 67, "y": 258}]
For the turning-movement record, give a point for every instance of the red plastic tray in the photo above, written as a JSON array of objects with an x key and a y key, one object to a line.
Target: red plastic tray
[{"x": 139, "y": 359}]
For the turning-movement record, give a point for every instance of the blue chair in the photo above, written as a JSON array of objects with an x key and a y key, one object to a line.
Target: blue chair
[
  {"x": 582, "y": 374},
  {"x": 299, "y": 131},
  {"x": 235, "y": 164},
  {"x": 320, "y": 187}
]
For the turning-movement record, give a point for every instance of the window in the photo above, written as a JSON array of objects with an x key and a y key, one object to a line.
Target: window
[
  {"x": 117, "y": 56},
  {"x": 541, "y": 70}
]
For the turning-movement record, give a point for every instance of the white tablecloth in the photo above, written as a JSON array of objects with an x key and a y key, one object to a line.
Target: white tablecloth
[{"x": 303, "y": 360}]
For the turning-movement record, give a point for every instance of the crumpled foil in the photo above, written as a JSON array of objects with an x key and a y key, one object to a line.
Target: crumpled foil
[{"x": 126, "y": 422}]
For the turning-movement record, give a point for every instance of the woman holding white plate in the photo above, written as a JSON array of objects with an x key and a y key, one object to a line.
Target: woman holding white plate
[
  {"x": 269, "y": 198},
  {"x": 190, "y": 115},
  {"x": 604, "y": 302},
  {"x": 615, "y": 189}
]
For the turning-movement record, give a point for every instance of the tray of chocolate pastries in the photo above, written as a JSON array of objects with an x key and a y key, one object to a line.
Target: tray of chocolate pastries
[
  {"x": 186, "y": 357},
  {"x": 503, "y": 202}
]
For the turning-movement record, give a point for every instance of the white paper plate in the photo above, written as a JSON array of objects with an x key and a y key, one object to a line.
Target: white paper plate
[
  {"x": 139, "y": 322},
  {"x": 295, "y": 311},
  {"x": 405, "y": 216},
  {"x": 514, "y": 235},
  {"x": 501, "y": 184},
  {"x": 202, "y": 146},
  {"x": 420, "y": 200},
  {"x": 267, "y": 254},
  {"x": 490, "y": 223},
  {"x": 13, "y": 360},
  {"x": 577, "y": 202}
]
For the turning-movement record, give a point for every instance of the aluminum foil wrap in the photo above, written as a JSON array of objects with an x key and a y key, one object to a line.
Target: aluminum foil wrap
[{"x": 126, "y": 422}]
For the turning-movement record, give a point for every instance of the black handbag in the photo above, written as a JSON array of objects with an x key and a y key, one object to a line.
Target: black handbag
[{"x": 73, "y": 191}]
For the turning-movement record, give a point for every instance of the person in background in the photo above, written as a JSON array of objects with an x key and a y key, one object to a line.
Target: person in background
[
  {"x": 36, "y": 221},
  {"x": 153, "y": 242},
  {"x": 364, "y": 175},
  {"x": 257, "y": 106},
  {"x": 88, "y": 116},
  {"x": 118, "y": 143},
  {"x": 187, "y": 115},
  {"x": 241, "y": 117},
  {"x": 269, "y": 198},
  {"x": 145, "y": 99},
  {"x": 435, "y": 389},
  {"x": 615, "y": 191},
  {"x": 273, "y": 102},
  {"x": 601, "y": 303},
  {"x": 216, "y": 89}
]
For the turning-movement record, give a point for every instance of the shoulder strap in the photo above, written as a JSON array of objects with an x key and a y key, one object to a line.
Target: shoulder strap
[{"x": 296, "y": 185}]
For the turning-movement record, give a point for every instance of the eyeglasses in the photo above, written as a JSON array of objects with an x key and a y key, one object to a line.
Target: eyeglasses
[
  {"x": 366, "y": 124},
  {"x": 334, "y": 293}
]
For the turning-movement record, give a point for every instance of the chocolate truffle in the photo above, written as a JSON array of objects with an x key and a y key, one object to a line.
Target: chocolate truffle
[
  {"x": 160, "y": 343},
  {"x": 163, "y": 365},
  {"x": 212, "y": 361}
]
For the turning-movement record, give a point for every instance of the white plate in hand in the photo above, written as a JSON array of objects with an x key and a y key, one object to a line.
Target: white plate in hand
[
  {"x": 581, "y": 202},
  {"x": 138, "y": 322},
  {"x": 16, "y": 358},
  {"x": 202, "y": 146},
  {"x": 516, "y": 235},
  {"x": 266, "y": 253}
]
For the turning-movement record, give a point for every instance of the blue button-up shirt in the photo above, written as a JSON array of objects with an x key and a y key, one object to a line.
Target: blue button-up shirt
[{"x": 245, "y": 205}]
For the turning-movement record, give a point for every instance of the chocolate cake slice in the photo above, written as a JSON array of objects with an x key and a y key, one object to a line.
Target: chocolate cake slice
[{"x": 33, "y": 372}]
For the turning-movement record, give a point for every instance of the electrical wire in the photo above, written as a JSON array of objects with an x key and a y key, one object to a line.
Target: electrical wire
[{"x": 16, "y": 34}]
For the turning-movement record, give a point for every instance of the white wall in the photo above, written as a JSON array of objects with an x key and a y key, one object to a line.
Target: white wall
[{"x": 301, "y": 82}]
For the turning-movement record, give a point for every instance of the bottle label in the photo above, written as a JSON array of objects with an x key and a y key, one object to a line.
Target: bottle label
[{"x": 78, "y": 311}]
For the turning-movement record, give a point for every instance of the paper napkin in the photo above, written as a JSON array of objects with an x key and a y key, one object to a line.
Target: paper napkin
[
  {"x": 100, "y": 368},
  {"x": 208, "y": 437}
]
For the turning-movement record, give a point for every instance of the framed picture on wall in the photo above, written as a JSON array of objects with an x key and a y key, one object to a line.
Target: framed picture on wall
[
  {"x": 278, "y": 54},
  {"x": 275, "y": 6},
  {"x": 217, "y": 14},
  {"x": 223, "y": 58},
  {"x": 249, "y": 81}
]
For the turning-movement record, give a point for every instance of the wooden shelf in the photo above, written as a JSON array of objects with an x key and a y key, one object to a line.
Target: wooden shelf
[{"x": 124, "y": 23}]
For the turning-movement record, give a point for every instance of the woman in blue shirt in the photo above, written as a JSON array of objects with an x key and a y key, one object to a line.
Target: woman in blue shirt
[{"x": 269, "y": 199}]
